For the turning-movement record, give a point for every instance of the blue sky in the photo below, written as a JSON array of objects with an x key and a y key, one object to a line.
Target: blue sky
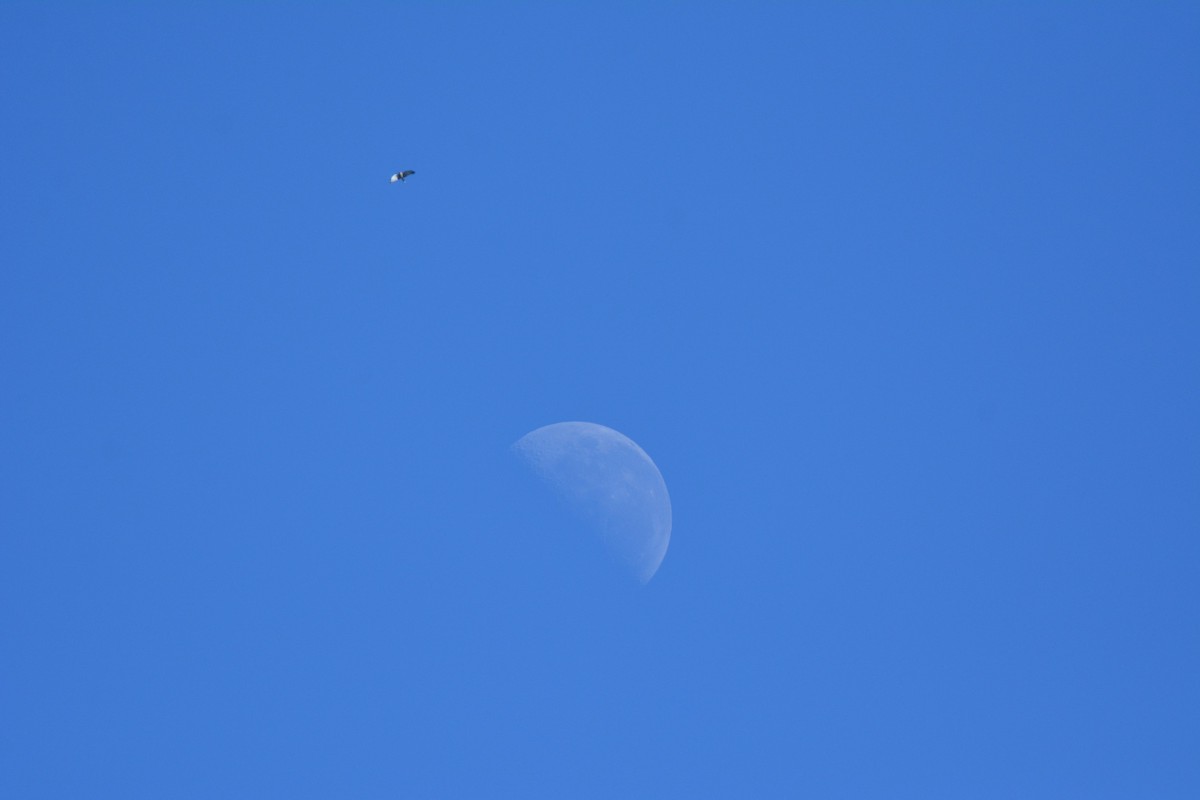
[{"x": 901, "y": 299}]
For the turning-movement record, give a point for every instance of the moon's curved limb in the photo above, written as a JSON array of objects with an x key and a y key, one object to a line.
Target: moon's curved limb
[{"x": 611, "y": 483}]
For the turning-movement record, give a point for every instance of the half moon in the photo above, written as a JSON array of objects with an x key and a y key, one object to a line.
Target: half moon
[{"x": 610, "y": 483}]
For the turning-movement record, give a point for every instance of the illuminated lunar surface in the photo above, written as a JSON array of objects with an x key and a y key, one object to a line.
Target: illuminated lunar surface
[{"x": 609, "y": 483}]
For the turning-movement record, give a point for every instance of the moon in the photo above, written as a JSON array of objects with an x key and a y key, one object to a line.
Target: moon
[{"x": 610, "y": 483}]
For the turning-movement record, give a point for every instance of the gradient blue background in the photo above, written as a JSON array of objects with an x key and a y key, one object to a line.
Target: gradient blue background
[{"x": 902, "y": 300}]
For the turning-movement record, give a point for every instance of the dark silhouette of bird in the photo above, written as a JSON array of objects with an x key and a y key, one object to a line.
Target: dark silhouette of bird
[{"x": 402, "y": 174}]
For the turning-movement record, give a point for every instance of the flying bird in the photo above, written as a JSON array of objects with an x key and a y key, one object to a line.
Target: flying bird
[{"x": 401, "y": 175}]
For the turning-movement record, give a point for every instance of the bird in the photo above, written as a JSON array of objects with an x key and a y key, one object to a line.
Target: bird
[{"x": 401, "y": 175}]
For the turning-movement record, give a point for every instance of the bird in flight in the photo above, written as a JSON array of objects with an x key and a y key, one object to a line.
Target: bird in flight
[{"x": 401, "y": 175}]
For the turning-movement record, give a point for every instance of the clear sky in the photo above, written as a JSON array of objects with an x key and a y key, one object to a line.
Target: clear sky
[{"x": 902, "y": 299}]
